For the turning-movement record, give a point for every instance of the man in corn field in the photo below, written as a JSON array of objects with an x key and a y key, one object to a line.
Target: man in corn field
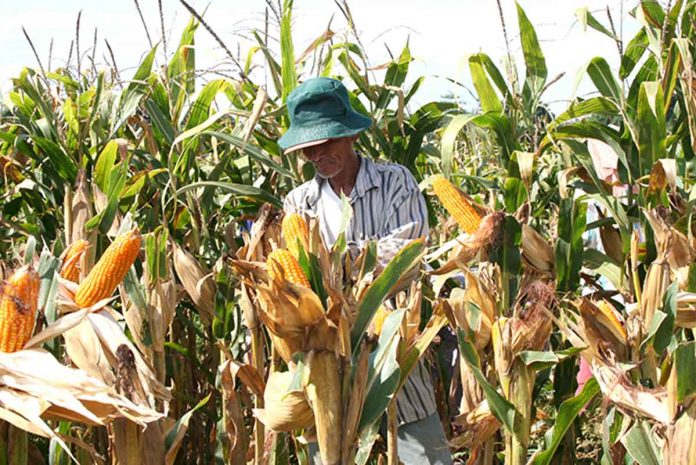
[{"x": 387, "y": 207}]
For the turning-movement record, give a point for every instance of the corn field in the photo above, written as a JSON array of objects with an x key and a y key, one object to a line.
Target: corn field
[{"x": 157, "y": 306}]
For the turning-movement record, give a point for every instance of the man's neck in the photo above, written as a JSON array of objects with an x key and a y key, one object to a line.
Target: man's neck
[{"x": 345, "y": 180}]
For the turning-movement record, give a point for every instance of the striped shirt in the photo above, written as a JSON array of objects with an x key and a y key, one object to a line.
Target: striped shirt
[{"x": 387, "y": 207}]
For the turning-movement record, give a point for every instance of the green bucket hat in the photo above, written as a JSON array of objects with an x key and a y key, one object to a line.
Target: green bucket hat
[{"x": 319, "y": 110}]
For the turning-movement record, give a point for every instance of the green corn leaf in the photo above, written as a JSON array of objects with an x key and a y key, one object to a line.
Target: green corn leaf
[
  {"x": 402, "y": 263},
  {"x": 288, "y": 73},
  {"x": 487, "y": 96},
  {"x": 641, "y": 445},
  {"x": 241, "y": 190},
  {"x": 533, "y": 56},
  {"x": 503, "y": 410}
]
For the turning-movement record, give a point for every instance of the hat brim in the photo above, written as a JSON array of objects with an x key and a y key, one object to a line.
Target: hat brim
[
  {"x": 347, "y": 125},
  {"x": 305, "y": 145}
]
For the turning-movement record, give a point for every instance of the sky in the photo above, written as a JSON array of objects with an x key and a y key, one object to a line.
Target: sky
[{"x": 441, "y": 34}]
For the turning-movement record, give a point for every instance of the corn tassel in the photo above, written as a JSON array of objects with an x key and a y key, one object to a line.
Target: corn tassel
[
  {"x": 110, "y": 270},
  {"x": 295, "y": 233},
  {"x": 457, "y": 205},
  {"x": 280, "y": 262},
  {"x": 71, "y": 260},
  {"x": 18, "y": 302}
]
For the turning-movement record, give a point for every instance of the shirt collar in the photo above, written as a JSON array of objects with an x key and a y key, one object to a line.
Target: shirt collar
[{"x": 366, "y": 179}]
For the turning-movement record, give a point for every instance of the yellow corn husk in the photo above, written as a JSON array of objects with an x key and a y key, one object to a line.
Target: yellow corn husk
[
  {"x": 603, "y": 328},
  {"x": 537, "y": 253},
  {"x": 18, "y": 302},
  {"x": 378, "y": 320},
  {"x": 9, "y": 170},
  {"x": 284, "y": 409},
  {"x": 110, "y": 270},
  {"x": 71, "y": 260},
  {"x": 323, "y": 390},
  {"x": 280, "y": 262},
  {"x": 456, "y": 204},
  {"x": 295, "y": 233}
]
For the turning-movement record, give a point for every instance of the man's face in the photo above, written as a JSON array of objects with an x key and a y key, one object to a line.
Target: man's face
[{"x": 330, "y": 158}]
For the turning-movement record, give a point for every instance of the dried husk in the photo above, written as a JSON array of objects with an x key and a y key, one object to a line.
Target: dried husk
[
  {"x": 479, "y": 425},
  {"x": 617, "y": 388},
  {"x": 199, "y": 283},
  {"x": 284, "y": 409},
  {"x": 601, "y": 333},
  {"x": 537, "y": 253},
  {"x": 323, "y": 390}
]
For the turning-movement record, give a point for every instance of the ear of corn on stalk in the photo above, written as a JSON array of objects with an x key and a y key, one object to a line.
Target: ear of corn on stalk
[
  {"x": 284, "y": 409},
  {"x": 281, "y": 263},
  {"x": 71, "y": 260},
  {"x": 295, "y": 233},
  {"x": 110, "y": 270},
  {"x": 456, "y": 204},
  {"x": 323, "y": 389},
  {"x": 603, "y": 328},
  {"x": 18, "y": 302}
]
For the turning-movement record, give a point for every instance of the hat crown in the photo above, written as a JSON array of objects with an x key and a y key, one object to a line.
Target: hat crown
[
  {"x": 317, "y": 99},
  {"x": 320, "y": 109}
]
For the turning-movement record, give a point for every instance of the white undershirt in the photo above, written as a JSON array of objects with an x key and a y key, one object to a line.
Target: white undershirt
[{"x": 330, "y": 214}]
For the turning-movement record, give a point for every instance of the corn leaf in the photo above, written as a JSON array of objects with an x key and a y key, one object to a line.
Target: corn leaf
[
  {"x": 253, "y": 151},
  {"x": 685, "y": 365},
  {"x": 533, "y": 56},
  {"x": 602, "y": 77},
  {"x": 384, "y": 373},
  {"x": 404, "y": 261},
  {"x": 503, "y": 410},
  {"x": 604, "y": 265},
  {"x": 241, "y": 190},
  {"x": 488, "y": 98},
  {"x": 569, "y": 245},
  {"x": 587, "y": 19},
  {"x": 651, "y": 125},
  {"x": 567, "y": 413},
  {"x": 640, "y": 444},
  {"x": 634, "y": 51},
  {"x": 288, "y": 73}
]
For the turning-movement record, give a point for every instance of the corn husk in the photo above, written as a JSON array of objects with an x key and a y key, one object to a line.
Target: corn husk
[
  {"x": 284, "y": 409},
  {"x": 537, "y": 253},
  {"x": 323, "y": 390},
  {"x": 199, "y": 284},
  {"x": 605, "y": 335}
]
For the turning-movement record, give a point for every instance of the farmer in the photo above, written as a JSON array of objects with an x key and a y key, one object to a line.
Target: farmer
[{"x": 387, "y": 207}]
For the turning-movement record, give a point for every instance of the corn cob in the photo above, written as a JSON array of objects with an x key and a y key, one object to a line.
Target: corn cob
[
  {"x": 71, "y": 260},
  {"x": 296, "y": 233},
  {"x": 110, "y": 270},
  {"x": 456, "y": 205},
  {"x": 18, "y": 302},
  {"x": 611, "y": 319},
  {"x": 282, "y": 263}
]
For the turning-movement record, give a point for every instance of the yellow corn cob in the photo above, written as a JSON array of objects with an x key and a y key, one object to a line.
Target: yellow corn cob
[
  {"x": 71, "y": 260},
  {"x": 282, "y": 263},
  {"x": 295, "y": 232},
  {"x": 611, "y": 318},
  {"x": 110, "y": 270},
  {"x": 456, "y": 205},
  {"x": 18, "y": 301}
]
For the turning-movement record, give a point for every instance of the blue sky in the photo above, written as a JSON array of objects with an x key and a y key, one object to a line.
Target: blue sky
[{"x": 442, "y": 33}]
